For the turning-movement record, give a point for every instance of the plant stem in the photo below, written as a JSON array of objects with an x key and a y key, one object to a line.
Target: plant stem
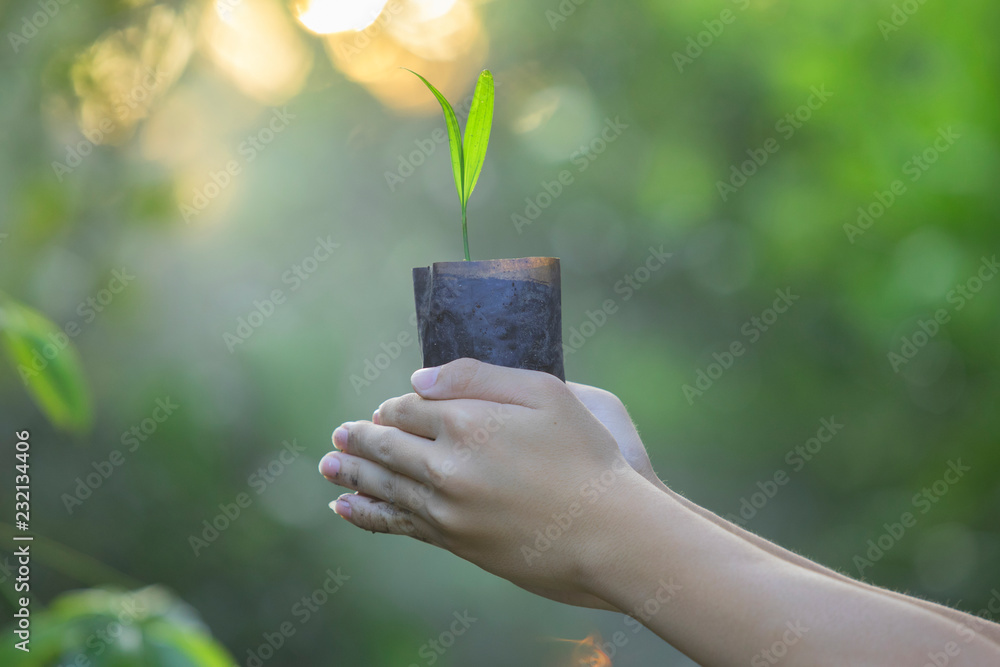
[{"x": 465, "y": 234}]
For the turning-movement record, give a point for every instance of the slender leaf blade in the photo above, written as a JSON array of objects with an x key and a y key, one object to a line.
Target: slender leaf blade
[
  {"x": 477, "y": 132},
  {"x": 454, "y": 134},
  {"x": 58, "y": 387}
]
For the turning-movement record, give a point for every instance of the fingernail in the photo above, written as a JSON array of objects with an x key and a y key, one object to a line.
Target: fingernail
[
  {"x": 329, "y": 465},
  {"x": 341, "y": 507},
  {"x": 340, "y": 437},
  {"x": 425, "y": 378},
  {"x": 375, "y": 417}
]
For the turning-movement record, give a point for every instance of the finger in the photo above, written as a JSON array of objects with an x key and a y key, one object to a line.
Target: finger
[
  {"x": 602, "y": 404},
  {"x": 611, "y": 412},
  {"x": 396, "y": 450},
  {"x": 373, "y": 480},
  {"x": 381, "y": 517},
  {"x": 412, "y": 414},
  {"x": 592, "y": 397},
  {"x": 468, "y": 378}
]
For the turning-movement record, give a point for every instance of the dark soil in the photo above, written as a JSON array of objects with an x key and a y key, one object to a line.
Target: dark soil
[{"x": 513, "y": 323}]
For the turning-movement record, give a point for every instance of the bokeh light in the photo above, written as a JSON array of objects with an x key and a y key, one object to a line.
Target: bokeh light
[
  {"x": 256, "y": 45},
  {"x": 325, "y": 17}
]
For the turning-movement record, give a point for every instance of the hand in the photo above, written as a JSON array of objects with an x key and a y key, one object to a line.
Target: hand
[
  {"x": 611, "y": 412},
  {"x": 506, "y": 468}
]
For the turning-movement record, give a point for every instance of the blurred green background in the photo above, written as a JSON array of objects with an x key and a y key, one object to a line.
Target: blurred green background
[{"x": 213, "y": 153}]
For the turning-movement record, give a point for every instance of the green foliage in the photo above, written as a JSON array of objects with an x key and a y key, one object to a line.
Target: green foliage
[
  {"x": 55, "y": 381},
  {"x": 110, "y": 628},
  {"x": 468, "y": 156},
  {"x": 658, "y": 183}
]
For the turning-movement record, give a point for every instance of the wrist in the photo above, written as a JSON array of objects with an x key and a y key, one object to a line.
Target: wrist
[{"x": 631, "y": 509}]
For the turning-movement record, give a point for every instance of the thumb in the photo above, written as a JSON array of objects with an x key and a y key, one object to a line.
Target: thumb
[{"x": 469, "y": 378}]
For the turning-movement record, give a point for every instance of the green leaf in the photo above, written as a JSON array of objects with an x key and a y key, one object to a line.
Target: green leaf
[
  {"x": 477, "y": 132},
  {"x": 454, "y": 134},
  {"x": 183, "y": 647},
  {"x": 47, "y": 363},
  {"x": 154, "y": 629}
]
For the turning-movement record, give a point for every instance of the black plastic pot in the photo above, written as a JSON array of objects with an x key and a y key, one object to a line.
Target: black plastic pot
[{"x": 506, "y": 312}]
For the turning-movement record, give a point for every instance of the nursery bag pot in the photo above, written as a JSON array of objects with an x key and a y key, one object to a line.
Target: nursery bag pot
[{"x": 506, "y": 312}]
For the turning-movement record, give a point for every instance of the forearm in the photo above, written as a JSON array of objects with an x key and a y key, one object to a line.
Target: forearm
[
  {"x": 733, "y": 601},
  {"x": 988, "y": 630}
]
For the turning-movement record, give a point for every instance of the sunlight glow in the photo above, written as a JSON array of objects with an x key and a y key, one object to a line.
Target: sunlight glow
[
  {"x": 120, "y": 77},
  {"x": 588, "y": 652},
  {"x": 257, "y": 46},
  {"x": 442, "y": 39},
  {"x": 326, "y": 17}
]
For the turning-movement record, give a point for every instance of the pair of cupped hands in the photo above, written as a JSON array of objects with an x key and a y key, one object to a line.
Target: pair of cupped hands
[{"x": 510, "y": 469}]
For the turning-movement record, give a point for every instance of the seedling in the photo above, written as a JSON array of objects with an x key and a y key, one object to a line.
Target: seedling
[
  {"x": 468, "y": 155},
  {"x": 505, "y": 312}
]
